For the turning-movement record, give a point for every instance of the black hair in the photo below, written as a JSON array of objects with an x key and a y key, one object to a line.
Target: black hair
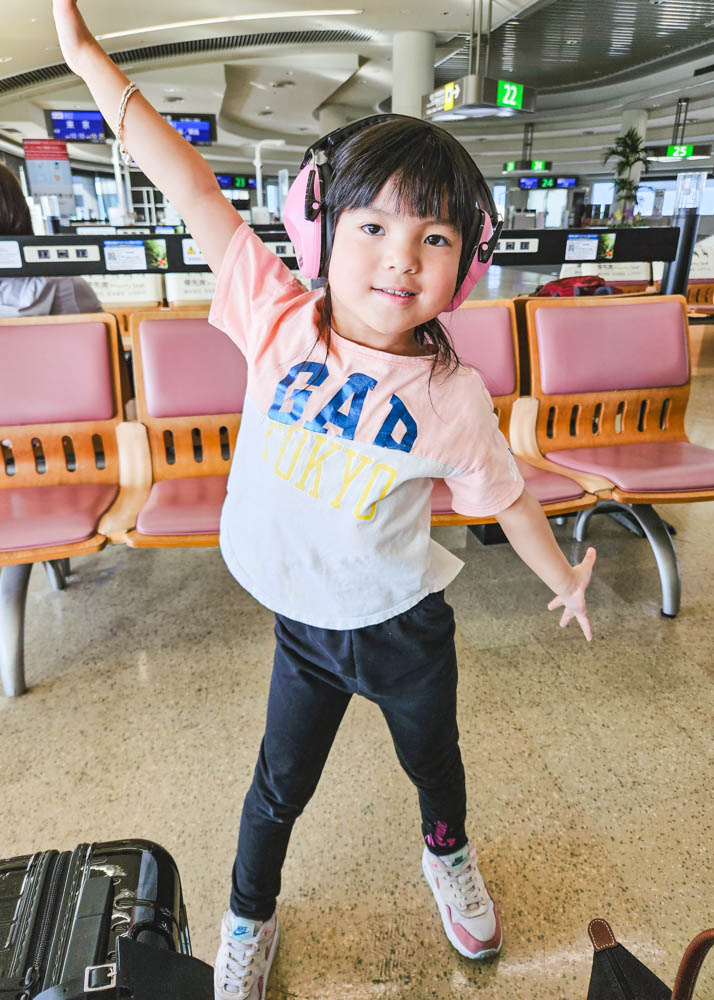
[
  {"x": 15, "y": 219},
  {"x": 431, "y": 175}
]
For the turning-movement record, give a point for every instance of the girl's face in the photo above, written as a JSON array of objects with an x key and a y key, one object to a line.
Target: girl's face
[{"x": 390, "y": 272}]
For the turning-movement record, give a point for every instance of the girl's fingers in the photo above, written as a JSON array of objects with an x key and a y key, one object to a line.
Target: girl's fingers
[
  {"x": 557, "y": 602},
  {"x": 585, "y": 626},
  {"x": 566, "y": 619}
]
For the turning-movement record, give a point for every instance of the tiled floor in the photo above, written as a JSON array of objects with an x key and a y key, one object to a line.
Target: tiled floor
[{"x": 590, "y": 767}]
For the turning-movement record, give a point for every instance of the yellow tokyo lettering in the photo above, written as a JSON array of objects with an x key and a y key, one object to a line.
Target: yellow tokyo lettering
[
  {"x": 296, "y": 455},
  {"x": 350, "y": 475},
  {"x": 271, "y": 428},
  {"x": 369, "y": 513},
  {"x": 314, "y": 464}
]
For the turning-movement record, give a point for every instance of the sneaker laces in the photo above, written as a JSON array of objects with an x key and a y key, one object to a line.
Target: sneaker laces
[
  {"x": 468, "y": 887},
  {"x": 239, "y": 972}
]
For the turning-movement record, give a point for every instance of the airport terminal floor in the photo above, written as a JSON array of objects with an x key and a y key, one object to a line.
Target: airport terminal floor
[{"x": 588, "y": 765}]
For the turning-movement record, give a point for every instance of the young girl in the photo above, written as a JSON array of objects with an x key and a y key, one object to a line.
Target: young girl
[{"x": 355, "y": 402}]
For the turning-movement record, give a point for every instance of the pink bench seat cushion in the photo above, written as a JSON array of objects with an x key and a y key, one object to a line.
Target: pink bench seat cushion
[
  {"x": 483, "y": 339},
  {"x": 614, "y": 346},
  {"x": 183, "y": 506},
  {"x": 190, "y": 367},
  {"x": 55, "y": 374},
  {"x": 36, "y": 516},
  {"x": 650, "y": 467},
  {"x": 546, "y": 487}
]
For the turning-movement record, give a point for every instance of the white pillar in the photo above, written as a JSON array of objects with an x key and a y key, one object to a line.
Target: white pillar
[
  {"x": 635, "y": 118},
  {"x": 333, "y": 116},
  {"x": 413, "y": 54}
]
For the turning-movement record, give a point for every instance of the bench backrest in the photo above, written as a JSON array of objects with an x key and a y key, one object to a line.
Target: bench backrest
[
  {"x": 484, "y": 336},
  {"x": 60, "y": 400},
  {"x": 608, "y": 372},
  {"x": 190, "y": 385}
]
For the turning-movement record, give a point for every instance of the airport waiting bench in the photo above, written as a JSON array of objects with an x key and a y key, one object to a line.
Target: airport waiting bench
[
  {"x": 610, "y": 382},
  {"x": 61, "y": 415},
  {"x": 166, "y": 473}
]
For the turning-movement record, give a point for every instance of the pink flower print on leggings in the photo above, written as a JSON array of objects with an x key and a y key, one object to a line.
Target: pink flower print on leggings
[{"x": 439, "y": 838}]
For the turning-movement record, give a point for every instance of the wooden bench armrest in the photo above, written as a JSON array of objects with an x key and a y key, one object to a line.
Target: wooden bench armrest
[
  {"x": 135, "y": 481},
  {"x": 524, "y": 444}
]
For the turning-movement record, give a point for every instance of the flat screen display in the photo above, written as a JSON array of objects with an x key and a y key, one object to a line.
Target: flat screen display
[
  {"x": 232, "y": 182},
  {"x": 199, "y": 130},
  {"x": 529, "y": 183},
  {"x": 76, "y": 126},
  {"x": 565, "y": 182}
]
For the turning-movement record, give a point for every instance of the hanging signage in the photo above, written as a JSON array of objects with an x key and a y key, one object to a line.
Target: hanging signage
[
  {"x": 674, "y": 153},
  {"x": 680, "y": 152},
  {"x": 235, "y": 181},
  {"x": 509, "y": 94},
  {"x": 474, "y": 97},
  {"x": 49, "y": 172},
  {"x": 527, "y": 166},
  {"x": 546, "y": 183},
  {"x": 199, "y": 130},
  {"x": 77, "y": 126}
]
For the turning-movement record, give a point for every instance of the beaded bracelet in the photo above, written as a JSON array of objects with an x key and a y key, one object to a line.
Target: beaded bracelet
[{"x": 128, "y": 91}]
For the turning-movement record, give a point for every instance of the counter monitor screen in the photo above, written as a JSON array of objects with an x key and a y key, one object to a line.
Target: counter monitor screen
[
  {"x": 529, "y": 183},
  {"x": 199, "y": 130},
  {"x": 76, "y": 126}
]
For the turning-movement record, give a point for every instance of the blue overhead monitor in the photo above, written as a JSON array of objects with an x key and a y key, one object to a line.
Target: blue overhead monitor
[
  {"x": 529, "y": 183},
  {"x": 77, "y": 126},
  {"x": 199, "y": 130}
]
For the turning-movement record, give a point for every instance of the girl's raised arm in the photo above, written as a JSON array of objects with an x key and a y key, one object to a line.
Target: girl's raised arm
[{"x": 170, "y": 162}]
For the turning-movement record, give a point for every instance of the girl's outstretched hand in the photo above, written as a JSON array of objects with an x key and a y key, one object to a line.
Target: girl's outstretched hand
[
  {"x": 573, "y": 600},
  {"x": 74, "y": 35}
]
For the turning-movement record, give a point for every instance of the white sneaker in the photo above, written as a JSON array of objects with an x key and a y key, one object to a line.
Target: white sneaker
[
  {"x": 467, "y": 911},
  {"x": 244, "y": 957}
]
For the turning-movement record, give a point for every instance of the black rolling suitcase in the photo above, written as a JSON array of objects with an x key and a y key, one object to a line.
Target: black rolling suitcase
[{"x": 103, "y": 921}]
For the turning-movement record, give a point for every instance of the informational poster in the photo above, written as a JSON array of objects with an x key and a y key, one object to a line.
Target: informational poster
[
  {"x": 590, "y": 246},
  {"x": 127, "y": 287},
  {"x": 10, "y": 255},
  {"x": 135, "y": 255},
  {"x": 49, "y": 172},
  {"x": 125, "y": 255},
  {"x": 192, "y": 252},
  {"x": 581, "y": 246}
]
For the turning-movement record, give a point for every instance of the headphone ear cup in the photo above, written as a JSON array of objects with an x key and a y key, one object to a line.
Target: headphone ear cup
[
  {"x": 304, "y": 219},
  {"x": 477, "y": 268}
]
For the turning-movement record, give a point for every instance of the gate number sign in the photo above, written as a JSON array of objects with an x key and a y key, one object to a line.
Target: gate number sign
[
  {"x": 680, "y": 152},
  {"x": 509, "y": 95}
]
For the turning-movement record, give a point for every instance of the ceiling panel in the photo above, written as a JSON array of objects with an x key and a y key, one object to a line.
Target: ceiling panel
[{"x": 561, "y": 44}]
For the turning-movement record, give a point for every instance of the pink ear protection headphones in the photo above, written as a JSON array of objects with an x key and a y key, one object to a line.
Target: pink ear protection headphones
[{"x": 310, "y": 226}]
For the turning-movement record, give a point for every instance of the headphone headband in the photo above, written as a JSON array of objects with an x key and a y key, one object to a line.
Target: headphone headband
[{"x": 309, "y": 223}]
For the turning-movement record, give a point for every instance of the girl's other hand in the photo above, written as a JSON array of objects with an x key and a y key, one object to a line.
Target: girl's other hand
[
  {"x": 74, "y": 35},
  {"x": 573, "y": 600}
]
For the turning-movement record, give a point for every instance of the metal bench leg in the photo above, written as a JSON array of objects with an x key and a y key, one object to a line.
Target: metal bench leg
[
  {"x": 659, "y": 538},
  {"x": 13, "y": 594},
  {"x": 64, "y": 563},
  {"x": 664, "y": 552},
  {"x": 56, "y": 573}
]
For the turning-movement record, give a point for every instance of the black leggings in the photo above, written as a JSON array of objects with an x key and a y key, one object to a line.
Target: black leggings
[{"x": 407, "y": 666}]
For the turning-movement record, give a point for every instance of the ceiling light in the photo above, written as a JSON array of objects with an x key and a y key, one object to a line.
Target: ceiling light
[
  {"x": 5, "y": 59},
  {"x": 200, "y": 22}
]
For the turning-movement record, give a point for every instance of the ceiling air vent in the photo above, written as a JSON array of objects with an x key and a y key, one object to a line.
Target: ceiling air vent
[{"x": 221, "y": 43}]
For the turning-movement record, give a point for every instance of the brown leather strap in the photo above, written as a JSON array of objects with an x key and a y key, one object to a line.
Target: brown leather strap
[
  {"x": 601, "y": 934},
  {"x": 691, "y": 964}
]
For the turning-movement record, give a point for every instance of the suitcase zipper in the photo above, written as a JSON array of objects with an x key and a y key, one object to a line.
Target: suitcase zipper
[{"x": 48, "y": 905}]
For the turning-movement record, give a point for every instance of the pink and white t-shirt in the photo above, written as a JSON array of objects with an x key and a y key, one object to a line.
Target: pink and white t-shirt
[{"x": 327, "y": 517}]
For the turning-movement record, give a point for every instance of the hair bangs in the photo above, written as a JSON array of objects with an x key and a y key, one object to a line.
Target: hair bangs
[{"x": 424, "y": 167}]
